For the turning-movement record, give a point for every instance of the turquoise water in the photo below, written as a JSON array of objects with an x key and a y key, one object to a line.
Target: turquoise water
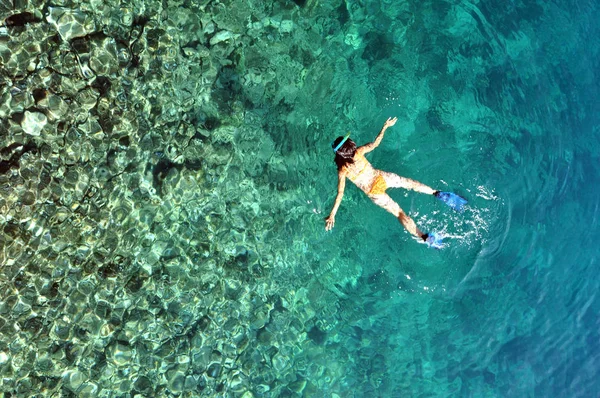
[
  {"x": 165, "y": 172},
  {"x": 509, "y": 308},
  {"x": 497, "y": 100}
]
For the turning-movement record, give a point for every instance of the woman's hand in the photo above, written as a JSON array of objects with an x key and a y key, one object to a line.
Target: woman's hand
[
  {"x": 329, "y": 221},
  {"x": 390, "y": 122}
]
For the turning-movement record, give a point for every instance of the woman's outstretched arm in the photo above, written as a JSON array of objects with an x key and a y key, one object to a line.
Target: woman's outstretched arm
[
  {"x": 369, "y": 147},
  {"x": 330, "y": 221}
]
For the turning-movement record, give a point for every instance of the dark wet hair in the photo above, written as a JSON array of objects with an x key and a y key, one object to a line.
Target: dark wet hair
[{"x": 344, "y": 155}]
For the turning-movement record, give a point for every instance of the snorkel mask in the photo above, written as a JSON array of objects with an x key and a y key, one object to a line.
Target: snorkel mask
[{"x": 340, "y": 144}]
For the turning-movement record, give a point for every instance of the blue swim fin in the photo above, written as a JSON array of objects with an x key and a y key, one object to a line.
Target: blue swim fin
[
  {"x": 434, "y": 240},
  {"x": 451, "y": 199}
]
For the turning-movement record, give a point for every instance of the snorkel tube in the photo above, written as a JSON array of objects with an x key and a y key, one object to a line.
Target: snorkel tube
[{"x": 341, "y": 143}]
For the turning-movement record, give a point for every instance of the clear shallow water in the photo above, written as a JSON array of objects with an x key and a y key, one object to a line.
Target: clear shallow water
[{"x": 174, "y": 243}]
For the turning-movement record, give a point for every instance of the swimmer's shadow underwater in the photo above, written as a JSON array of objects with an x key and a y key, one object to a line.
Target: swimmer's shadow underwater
[{"x": 352, "y": 164}]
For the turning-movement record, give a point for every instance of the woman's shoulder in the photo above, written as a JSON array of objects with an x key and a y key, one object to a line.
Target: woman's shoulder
[{"x": 359, "y": 156}]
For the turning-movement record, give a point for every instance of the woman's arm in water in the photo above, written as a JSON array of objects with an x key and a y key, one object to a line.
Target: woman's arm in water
[
  {"x": 330, "y": 221},
  {"x": 369, "y": 147}
]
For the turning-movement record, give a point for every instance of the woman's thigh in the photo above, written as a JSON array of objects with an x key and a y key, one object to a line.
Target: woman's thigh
[
  {"x": 395, "y": 181},
  {"x": 384, "y": 200}
]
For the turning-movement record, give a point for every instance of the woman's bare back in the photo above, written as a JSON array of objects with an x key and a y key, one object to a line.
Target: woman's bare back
[{"x": 361, "y": 172}]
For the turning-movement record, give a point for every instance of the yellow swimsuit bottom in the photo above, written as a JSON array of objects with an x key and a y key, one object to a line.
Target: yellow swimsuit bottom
[{"x": 379, "y": 186}]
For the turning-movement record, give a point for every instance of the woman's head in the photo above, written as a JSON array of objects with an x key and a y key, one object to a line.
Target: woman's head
[{"x": 345, "y": 152}]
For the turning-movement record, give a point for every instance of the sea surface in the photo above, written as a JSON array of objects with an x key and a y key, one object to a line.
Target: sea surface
[
  {"x": 502, "y": 107},
  {"x": 166, "y": 170}
]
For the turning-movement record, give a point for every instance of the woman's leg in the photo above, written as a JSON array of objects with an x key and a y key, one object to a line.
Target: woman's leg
[
  {"x": 388, "y": 203},
  {"x": 395, "y": 181}
]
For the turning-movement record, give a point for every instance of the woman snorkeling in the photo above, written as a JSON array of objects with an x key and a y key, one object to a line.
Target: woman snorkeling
[{"x": 352, "y": 164}]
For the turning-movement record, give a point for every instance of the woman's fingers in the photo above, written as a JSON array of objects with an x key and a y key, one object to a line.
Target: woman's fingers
[{"x": 329, "y": 225}]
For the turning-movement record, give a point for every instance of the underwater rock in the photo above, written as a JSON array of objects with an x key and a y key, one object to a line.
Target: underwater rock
[
  {"x": 20, "y": 100},
  {"x": 70, "y": 23},
  {"x": 73, "y": 379},
  {"x": 143, "y": 385},
  {"x": 193, "y": 383},
  {"x": 87, "y": 99},
  {"x": 220, "y": 37},
  {"x": 254, "y": 86},
  {"x": 54, "y": 106},
  {"x": 21, "y": 309},
  {"x": 61, "y": 330},
  {"x": 33, "y": 122},
  {"x": 105, "y": 58},
  {"x": 317, "y": 335},
  {"x": 286, "y": 26},
  {"x": 27, "y": 198},
  {"x": 88, "y": 390},
  {"x": 297, "y": 386},
  {"x": 237, "y": 381},
  {"x": 353, "y": 38},
  {"x": 214, "y": 370},
  {"x": 280, "y": 362},
  {"x": 176, "y": 381},
  {"x": 120, "y": 353}
]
